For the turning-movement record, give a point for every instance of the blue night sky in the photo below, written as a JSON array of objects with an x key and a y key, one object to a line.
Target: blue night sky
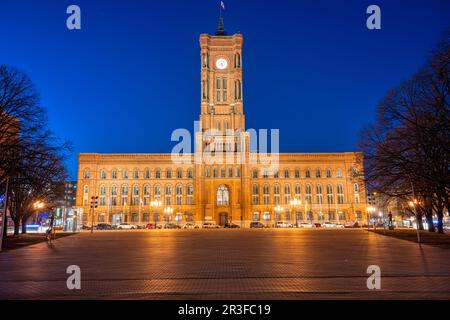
[{"x": 131, "y": 75}]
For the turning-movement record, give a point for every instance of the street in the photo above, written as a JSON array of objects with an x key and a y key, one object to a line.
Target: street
[{"x": 226, "y": 264}]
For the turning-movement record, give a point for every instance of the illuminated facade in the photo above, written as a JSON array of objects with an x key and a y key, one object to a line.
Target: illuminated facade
[{"x": 152, "y": 188}]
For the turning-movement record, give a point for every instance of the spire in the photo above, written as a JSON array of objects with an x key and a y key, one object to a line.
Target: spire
[{"x": 221, "y": 29}]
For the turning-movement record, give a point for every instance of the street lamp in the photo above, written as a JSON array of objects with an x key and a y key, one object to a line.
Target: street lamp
[
  {"x": 278, "y": 209},
  {"x": 155, "y": 204},
  {"x": 294, "y": 203},
  {"x": 371, "y": 210},
  {"x": 168, "y": 211},
  {"x": 413, "y": 204},
  {"x": 38, "y": 205}
]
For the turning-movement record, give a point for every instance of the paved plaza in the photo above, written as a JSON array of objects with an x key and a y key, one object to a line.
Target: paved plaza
[{"x": 226, "y": 264}]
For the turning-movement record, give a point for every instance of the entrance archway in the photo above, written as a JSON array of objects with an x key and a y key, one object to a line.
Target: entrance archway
[{"x": 223, "y": 218}]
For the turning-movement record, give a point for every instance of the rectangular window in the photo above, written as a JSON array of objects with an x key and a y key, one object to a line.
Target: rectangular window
[
  {"x": 218, "y": 83},
  {"x": 225, "y": 89}
]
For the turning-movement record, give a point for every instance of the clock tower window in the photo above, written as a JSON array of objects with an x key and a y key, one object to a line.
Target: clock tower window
[
  {"x": 237, "y": 90},
  {"x": 218, "y": 85},
  {"x": 225, "y": 89}
]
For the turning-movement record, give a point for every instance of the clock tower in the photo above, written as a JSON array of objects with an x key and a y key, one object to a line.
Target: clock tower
[{"x": 221, "y": 82}]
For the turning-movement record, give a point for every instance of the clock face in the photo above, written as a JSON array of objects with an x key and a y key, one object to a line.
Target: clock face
[{"x": 221, "y": 64}]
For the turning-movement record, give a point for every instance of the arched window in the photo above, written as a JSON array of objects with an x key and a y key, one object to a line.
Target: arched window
[
  {"x": 87, "y": 174},
  {"x": 168, "y": 195},
  {"x": 136, "y": 174},
  {"x": 355, "y": 171},
  {"x": 308, "y": 194},
  {"x": 103, "y": 175},
  {"x": 276, "y": 194},
  {"x": 237, "y": 60},
  {"x": 218, "y": 127},
  {"x": 266, "y": 192},
  {"x": 297, "y": 173},
  {"x": 102, "y": 198},
  {"x": 340, "y": 194},
  {"x": 169, "y": 173},
  {"x": 356, "y": 189},
  {"x": 190, "y": 194},
  {"x": 215, "y": 173},
  {"x": 114, "y": 174},
  {"x": 226, "y": 126},
  {"x": 276, "y": 173},
  {"x": 179, "y": 173},
  {"x": 238, "y": 172},
  {"x": 207, "y": 172},
  {"x": 339, "y": 173},
  {"x": 86, "y": 195},
  {"x": 223, "y": 196},
  {"x": 125, "y": 174},
  {"x": 286, "y": 173},
  {"x": 287, "y": 193},
  {"x": 265, "y": 173},
  {"x": 135, "y": 198},
  {"x": 330, "y": 197},
  {"x": 147, "y": 174},
  {"x": 298, "y": 191},
  {"x": 157, "y": 192},
  {"x": 124, "y": 195},
  {"x": 114, "y": 195},
  {"x": 190, "y": 174},
  {"x": 308, "y": 173},
  {"x": 328, "y": 173},
  {"x": 319, "y": 195},
  {"x": 158, "y": 173},
  {"x": 179, "y": 195},
  {"x": 255, "y": 173},
  {"x": 318, "y": 173},
  {"x": 238, "y": 90},
  {"x": 147, "y": 194},
  {"x": 255, "y": 194}
]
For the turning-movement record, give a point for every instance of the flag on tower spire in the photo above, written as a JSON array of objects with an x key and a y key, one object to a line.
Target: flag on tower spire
[{"x": 221, "y": 29}]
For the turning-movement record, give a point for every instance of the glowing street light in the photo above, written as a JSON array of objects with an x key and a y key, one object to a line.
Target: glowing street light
[{"x": 295, "y": 203}]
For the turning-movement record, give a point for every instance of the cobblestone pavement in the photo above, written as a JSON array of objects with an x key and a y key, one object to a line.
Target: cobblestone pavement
[{"x": 226, "y": 264}]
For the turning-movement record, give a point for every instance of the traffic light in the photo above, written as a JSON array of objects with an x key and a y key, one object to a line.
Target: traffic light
[{"x": 94, "y": 202}]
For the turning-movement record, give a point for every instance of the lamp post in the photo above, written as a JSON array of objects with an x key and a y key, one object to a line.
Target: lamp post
[
  {"x": 168, "y": 211},
  {"x": 294, "y": 203},
  {"x": 278, "y": 209},
  {"x": 370, "y": 211},
  {"x": 155, "y": 204},
  {"x": 413, "y": 205}
]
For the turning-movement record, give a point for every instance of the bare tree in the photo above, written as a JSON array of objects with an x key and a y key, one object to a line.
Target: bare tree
[
  {"x": 30, "y": 156},
  {"x": 407, "y": 149}
]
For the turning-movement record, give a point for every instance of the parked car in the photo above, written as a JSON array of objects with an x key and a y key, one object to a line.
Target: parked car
[
  {"x": 329, "y": 224},
  {"x": 85, "y": 227},
  {"x": 257, "y": 224},
  {"x": 351, "y": 224},
  {"x": 231, "y": 226},
  {"x": 283, "y": 224},
  {"x": 305, "y": 225},
  {"x": 339, "y": 226},
  {"x": 210, "y": 225},
  {"x": 125, "y": 226},
  {"x": 172, "y": 226},
  {"x": 190, "y": 225},
  {"x": 104, "y": 226},
  {"x": 150, "y": 226},
  {"x": 317, "y": 225}
]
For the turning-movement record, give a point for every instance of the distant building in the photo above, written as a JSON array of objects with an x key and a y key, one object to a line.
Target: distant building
[{"x": 70, "y": 194}]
